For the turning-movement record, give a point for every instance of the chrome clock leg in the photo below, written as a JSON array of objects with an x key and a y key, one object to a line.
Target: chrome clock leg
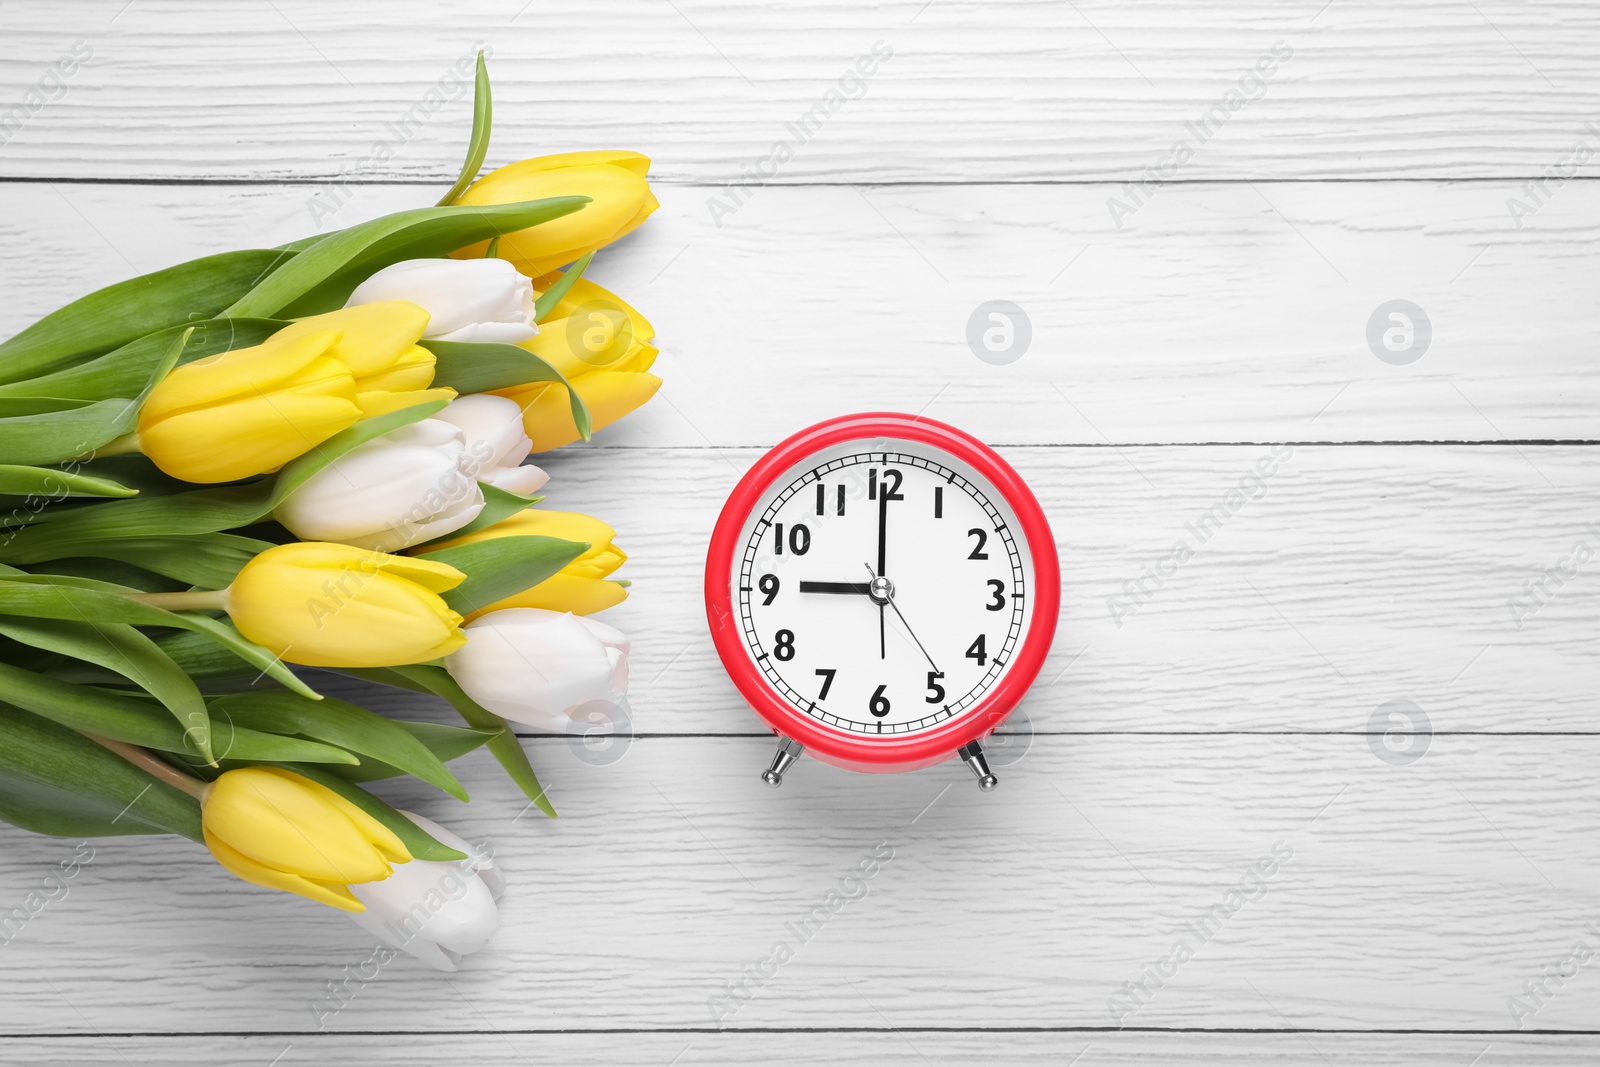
[
  {"x": 788, "y": 752},
  {"x": 980, "y": 766}
]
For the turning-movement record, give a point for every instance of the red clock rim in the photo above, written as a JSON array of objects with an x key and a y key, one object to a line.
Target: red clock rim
[{"x": 877, "y": 753}]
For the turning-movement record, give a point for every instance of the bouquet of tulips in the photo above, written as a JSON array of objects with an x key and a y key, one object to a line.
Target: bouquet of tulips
[{"x": 314, "y": 455}]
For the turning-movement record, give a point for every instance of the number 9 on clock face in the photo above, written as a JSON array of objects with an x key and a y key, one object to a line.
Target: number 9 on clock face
[{"x": 881, "y": 591}]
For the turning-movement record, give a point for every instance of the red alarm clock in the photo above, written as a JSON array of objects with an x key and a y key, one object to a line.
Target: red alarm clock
[{"x": 883, "y": 590}]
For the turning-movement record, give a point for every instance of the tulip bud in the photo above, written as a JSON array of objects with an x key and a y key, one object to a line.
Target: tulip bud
[
  {"x": 467, "y": 300},
  {"x": 579, "y": 587},
  {"x": 273, "y": 828},
  {"x": 496, "y": 443},
  {"x": 437, "y": 911},
  {"x": 539, "y": 667},
  {"x": 249, "y": 411},
  {"x": 378, "y": 343},
  {"x": 602, "y": 346},
  {"x": 619, "y": 200},
  {"x": 329, "y": 605},
  {"x": 408, "y": 486}
]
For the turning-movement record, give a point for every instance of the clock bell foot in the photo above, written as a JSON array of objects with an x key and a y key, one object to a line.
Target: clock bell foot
[
  {"x": 973, "y": 755},
  {"x": 788, "y": 752}
]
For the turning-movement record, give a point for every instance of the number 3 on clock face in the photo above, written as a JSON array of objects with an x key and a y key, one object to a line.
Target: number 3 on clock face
[{"x": 880, "y": 590}]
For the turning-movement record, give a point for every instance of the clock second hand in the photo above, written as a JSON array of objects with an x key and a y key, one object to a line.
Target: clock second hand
[{"x": 889, "y": 599}]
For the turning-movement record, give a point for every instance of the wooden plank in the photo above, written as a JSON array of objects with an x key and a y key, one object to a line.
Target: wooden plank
[
  {"x": 891, "y": 1049},
  {"x": 973, "y": 92},
  {"x": 1419, "y": 896},
  {"x": 1358, "y": 575},
  {"x": 1209, "y": 316}
]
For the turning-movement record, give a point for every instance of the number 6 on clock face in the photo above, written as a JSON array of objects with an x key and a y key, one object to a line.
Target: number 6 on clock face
[{"x": 882, "y": 589}]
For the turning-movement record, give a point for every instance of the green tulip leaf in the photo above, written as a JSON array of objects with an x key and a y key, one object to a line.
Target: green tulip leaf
[
  {"x": 336, "y": 722},
  {"x": 502, "y": 566},
  {"x": 120, "y": 313},
  {"x": 58, "y": 436},
  {"x": 117, "y": 573},
  {"x": 478, "y": 144},
  {"x": 56, "y": 781},
  {"x": 125, "y": 650},
  {"x": 322, "y": 276},
  {"x": 445, "y": 742},
  {"x": 51, "y": 483},
  {"x": 122, "y": 717},
  {"x": 548, "y": 300},
  {"x": 78, "y": 532},
  {"x": 57, "y": 596},
  {"x": 127, "y": 370},
  {"x": 504, "y": 745},
  {"x": 421, "y": 844},
  {"x": 297, "y": 472},
  {"x": 13, "y": 407},
  {"x": 208, "y": 560},
  {"x": 497, "y": 504},
  {"x": 484, "y": 366}
]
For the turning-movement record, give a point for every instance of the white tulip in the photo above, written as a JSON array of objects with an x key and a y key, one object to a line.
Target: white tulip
[
  {"x": 540, "y": 668},
  {"x": 466, "y": 299},
  {"x": 492, "y": 428},
  {"x": 437, "y": 911},
  {"x": 408, "y": 486}
]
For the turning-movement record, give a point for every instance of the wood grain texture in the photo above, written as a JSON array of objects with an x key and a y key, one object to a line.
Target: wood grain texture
[
  {"x": 974, "y": 91},
  {"x": 1196, "y": 713},
  {"x": 1218, "y": 313},
  {"x": 888, "y": 1048},
  {"x": 1350, "y": 577},
  {"x": 1419, "y": 896}
]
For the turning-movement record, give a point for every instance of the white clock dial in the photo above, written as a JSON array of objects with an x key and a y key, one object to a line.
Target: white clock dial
[{"x": 882, "y": 591}]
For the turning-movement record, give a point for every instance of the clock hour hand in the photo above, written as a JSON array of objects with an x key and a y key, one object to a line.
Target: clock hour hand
[{"x": 860, "y": 588}]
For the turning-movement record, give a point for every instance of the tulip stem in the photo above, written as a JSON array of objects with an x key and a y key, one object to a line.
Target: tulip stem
[
  {"x": 157, "y": 768},
  {"x": 120, "y": 446},
  {"x": 194, "y": 600}
]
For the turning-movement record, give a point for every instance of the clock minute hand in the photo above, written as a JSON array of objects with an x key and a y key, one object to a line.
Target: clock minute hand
[{"x": 858, "y": 588}]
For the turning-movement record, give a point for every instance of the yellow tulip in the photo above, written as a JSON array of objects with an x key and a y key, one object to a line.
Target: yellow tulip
[
  {"x": 619, "y": 200},
  {"x": 579, "y": 587},
  {"x": 249, "y": 411},
  {"x": 329, "y": 605},
  {"x": 602, "y": 346},
  {"x": 379, "y": 345},
  {"x": 274, "y": 828}
]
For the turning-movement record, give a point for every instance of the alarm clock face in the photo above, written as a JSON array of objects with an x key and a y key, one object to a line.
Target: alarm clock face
[{"x": 882, "y": 587}]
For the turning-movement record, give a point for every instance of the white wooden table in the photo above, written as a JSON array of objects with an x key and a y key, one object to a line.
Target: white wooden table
[{"x": 1238, "y": 709}]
